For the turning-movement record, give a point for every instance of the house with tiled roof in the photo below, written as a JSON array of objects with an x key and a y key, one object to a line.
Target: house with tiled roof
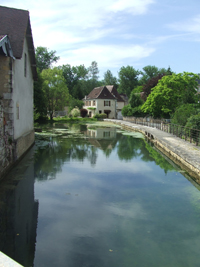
[
  {"x": 104, "y": 99},
  {"x": 17, "y": 74}
]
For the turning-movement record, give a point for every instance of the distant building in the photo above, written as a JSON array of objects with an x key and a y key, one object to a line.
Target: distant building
[
  {"x": 17, "y": 74},
  {"x": 104, "y": 99}
]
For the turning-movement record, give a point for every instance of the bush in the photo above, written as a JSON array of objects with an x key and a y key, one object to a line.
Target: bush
[
  {"x": 100, "y": 116},
  {"x": 137, "y": 112},
  {"x": 75, "y": 112},
  {"x": 83, "y": 112},
  {"x": 127, "y": 111}
]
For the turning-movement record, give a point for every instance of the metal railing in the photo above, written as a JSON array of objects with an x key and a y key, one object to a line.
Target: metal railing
[{"x": 187, "y": 134}]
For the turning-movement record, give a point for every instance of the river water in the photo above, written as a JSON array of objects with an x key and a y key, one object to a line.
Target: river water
[{"x": 97, "y": 196}]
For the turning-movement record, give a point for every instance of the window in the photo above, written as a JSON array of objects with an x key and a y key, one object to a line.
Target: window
[
  {"x": 94, "y": 103},
  {"x": 86, "y": 103},
  {"x": 106, "y": 103},
  {"x": 106, "y": 134},
  {"x": 17, "y": 111},
  {"x": 25, "y": 65},
  {"x": 100, "y": 111},
  {"x": 89, "y": 103}
]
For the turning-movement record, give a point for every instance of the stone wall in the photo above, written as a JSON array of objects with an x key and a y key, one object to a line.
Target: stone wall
[
  {"x": 6, "y": 116},
  {"x": 6, "y": 144}
]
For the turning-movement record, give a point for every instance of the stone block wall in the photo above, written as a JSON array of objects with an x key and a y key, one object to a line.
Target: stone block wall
[{"x": 6, "y": 145}]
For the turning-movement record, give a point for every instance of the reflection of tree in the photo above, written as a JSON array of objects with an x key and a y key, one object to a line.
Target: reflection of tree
[
  {"x": 49, "y": 161},
  {"x": 129, "y": 147},
  {"x": 159, "y": 159}
]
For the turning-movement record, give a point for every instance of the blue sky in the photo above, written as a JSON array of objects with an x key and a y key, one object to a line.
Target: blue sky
[{"x": 118, "y": 33}]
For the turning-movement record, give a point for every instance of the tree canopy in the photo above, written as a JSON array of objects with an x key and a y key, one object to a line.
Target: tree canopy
[
  {"x": 109, "y": 79},
  {"x": 45, "y": 58},
  {"x": 55, "y": 90},
  {"x": 170, "y": 92},
  {"x": 128, "y": 79}
]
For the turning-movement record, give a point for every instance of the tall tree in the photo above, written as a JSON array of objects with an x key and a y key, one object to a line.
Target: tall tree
[
  {"x": 93, "y": 73},
  {"x": 109, "y": 79},
  {"x": 45, "y": 58},
  {"x": 151, "y": 83},
  {"x": 39, "y": 98},
  {"x": 55, "y": 90},
  {"x": 152, "y": 71},
  {"x": 128, "y": 79},
  {"x": 71, "y": 78}
]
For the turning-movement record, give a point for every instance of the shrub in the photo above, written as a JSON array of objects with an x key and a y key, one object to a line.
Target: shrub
[
  {"x": 100, "y": 116},
  {"x": 75, "y": 112},
  {"x": 127, "y": 111},
  {"x": 83, "y": 112}
]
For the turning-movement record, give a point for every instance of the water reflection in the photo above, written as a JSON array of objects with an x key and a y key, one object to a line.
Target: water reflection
[
  {"x": 19, "y": 213},
  {"x": 81, "y": 143},
  {"x": 103, "y": 202}
]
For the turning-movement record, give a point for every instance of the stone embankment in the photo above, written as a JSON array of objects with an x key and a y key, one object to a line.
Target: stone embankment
[{"x": 183, "y": 153}]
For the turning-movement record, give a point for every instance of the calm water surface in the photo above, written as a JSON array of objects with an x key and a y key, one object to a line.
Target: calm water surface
[{"x": 87, "y": 196}]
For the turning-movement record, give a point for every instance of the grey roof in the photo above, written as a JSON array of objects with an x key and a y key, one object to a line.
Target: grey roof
[
  {"x": 113, "y": 91},
  {"x": 15, "y": 23},
  {"x": 101, "y": 92}
]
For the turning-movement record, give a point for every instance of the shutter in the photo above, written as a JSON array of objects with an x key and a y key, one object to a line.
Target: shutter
[
  {"x": 109, "y": 103},
  {"x": 104, "y": 103}
]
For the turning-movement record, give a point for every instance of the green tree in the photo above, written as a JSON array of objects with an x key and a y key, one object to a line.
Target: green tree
[
  {"x": 109, "y": 79},
  {"x": 40, "y": 103},
  {"x": 75, "y": 103},
  {"x": 171, "y": 92},
  {"x": 152, "y": 71},
  {"x": 135, "y": 99},
  {"x": 128, "y": 79},
  {"x": 93, "y": 73},
  {"x": 45, "y": 58},
  {"x": 55, "y": 90},
  {"x": 70, "y": 77}
]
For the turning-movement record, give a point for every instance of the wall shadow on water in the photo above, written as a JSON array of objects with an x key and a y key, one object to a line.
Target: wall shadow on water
[{"x": 19, "y": 212}]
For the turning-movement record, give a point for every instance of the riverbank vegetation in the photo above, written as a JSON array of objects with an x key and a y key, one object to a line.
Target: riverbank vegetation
[{"x": 152, "y": 91}]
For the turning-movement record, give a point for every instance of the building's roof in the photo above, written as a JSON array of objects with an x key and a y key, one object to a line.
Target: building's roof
[
  {"x": 113, "y": 91},
  {"x": 100, "y": 93},
  {"x": 15, "y": 23}
]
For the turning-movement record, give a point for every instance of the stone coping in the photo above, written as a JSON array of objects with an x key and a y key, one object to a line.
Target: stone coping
[
  {"x": 183, "y": 153},
  {"x": 5, "y": 261}
]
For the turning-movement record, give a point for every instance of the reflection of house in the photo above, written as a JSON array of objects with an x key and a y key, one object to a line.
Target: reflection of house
[
  {"x": 101, "y": 133},
  {"x": 17, "y": 73},
  {"x": 104, "y": 99},
  {"x": 103, "y": 138}
]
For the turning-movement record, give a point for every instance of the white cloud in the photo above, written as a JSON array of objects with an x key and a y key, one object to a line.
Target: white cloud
[
  {"x": 191, "y": 25},
  {"x": 135, "y": 7},
  {"x": 106, "y": 55}
]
